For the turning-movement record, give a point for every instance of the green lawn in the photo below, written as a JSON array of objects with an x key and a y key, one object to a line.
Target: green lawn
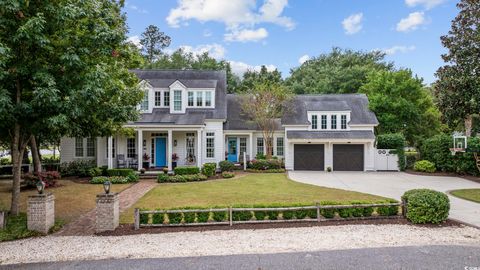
[
  {"x": 248, "y": 190},
  {"x": 467, "y": 194}
]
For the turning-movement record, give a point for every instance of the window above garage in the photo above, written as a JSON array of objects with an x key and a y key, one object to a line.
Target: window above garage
[{"x": 329, "y": 120}]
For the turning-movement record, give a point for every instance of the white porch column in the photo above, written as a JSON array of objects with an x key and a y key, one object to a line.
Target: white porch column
[
  {"x": 110, "y": 152},
  {"x": 170, "y": 149},
  {"x": 199, "y": 148},
  {"x": 140, "y": 149},
  {"x": 250, "y": 152}
]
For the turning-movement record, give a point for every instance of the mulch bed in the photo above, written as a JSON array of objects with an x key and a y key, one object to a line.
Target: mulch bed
[
  {"x": 448, "y": 174},
  {"x": 127, "y": 229}
]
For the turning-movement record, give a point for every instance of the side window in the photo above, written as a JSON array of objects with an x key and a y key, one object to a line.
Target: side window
[
  {"x": 208, "y": 99},
  {"x": 166, "y": 98},
  {"x": 279, "y": 146}
]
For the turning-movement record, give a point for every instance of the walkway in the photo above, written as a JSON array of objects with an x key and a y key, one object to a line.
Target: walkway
[
  {"x": 85, "y": 225},
  {"x": 394, "y": 184}
]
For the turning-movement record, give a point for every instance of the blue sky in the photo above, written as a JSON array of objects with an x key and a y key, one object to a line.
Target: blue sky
[{"x": 281, "y": 33}]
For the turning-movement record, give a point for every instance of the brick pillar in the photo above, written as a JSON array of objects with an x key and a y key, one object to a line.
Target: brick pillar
[
  {"x": 107, "y": 217},
  {"x": 41, "y": 212}
]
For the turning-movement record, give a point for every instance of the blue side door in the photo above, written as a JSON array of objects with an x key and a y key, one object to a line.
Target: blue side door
[
  {"x": 161, "y": 152},
  {"x": 232, "y": 149}
]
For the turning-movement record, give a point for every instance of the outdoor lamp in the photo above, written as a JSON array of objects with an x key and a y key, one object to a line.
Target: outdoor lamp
[
  {"x": 106, "y": 186},
  {"x": 40, "y": 186}
]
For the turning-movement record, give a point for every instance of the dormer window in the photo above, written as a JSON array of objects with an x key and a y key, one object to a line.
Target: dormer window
[
  {"x": 314, "y": 121},
  {"x": 166, "y": 98},
  {"x": 190, "y": 98},
  {"x": 144, "y": 104},
  {"x": 208, "y": 99},
  {"x": 343, "y": 121},
  {"x": 333, "y": 121},
  {"x": 324, "y": 121},
  {"x": 177, "y": 100},
  {"x": 200, "y": 99}
]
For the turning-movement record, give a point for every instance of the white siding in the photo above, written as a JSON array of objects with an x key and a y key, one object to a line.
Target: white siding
[
  {"x": 216, "y": 127},
  {"x": 67, "y": 150}
]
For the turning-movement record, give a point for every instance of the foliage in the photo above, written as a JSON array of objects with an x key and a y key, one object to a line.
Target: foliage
[
  {"x": 219, "y": 216},
  {"x": 143, "y": 217},
  {"x": 174, "y": 218},
  {"x": 288, "y": 214},
  {"x": 50, "y": 160},
  {"x": 263, "y": 104},
  {"x": 252, "y": 77},
  {"x": 186, "y": 170},
  {"x": 402, "y": 105},
  {"x": 472, "y": 194},
  {"x": 189, "y": 217},
  {"x": 266, "y": 164},
  {"x": 16, "y": 228},
  {"x": 202, "y": 217},
  {"x": 242, "y": 215},
  {"x": 228, "y": 175},
  {"x": 119, "y": 172},
  {"x": 49, "y": 178},
  {"x": 5, "y": 161},
  {"x": 387, "y": 210},
  {"x": 339, "y": 71},
  {"x": 208, "y": 169},
  {"x": 79, "y": 168},
  {"x": 459, "y": 80},
  {"x": 95, "y": 172},
  {"x": 410, "y": 159},
  {"x": 395, "y": 141},
  {"x": 115, "y": 179},
  {"x": 158, "y": 218},
  {"x": 226, "y": 166},
  {"x": 424, "y": 166},
  {"x": 260, "y": 215},
  {"x": 165, "y": 178},
  {"x": 266, "y": 171},
  {"x": 153, "y": 41},
  {"x": 260, "y": 156},
  {"x": 272, "y": 215},
  {"x": 426, "y": 206}
]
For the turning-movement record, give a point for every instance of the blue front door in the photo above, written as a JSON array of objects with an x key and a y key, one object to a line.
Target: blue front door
[
  {"x": 161, "y": 152},
  {"x": 232, "y": 149}
]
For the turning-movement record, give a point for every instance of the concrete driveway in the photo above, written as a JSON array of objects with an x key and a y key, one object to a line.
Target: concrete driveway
[{"x": 394, "y": 184}]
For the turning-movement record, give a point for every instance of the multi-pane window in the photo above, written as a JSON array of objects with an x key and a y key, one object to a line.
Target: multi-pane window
[
  {"x": 324, "y": 121},
  {"x": 158, "y": 98},
  {"x": 166, "y": 98},
  {"x": 333, "y": 122},
  {"x": 210, "y": 144},
  {"x": 113, "y": 147},
  {"x": 90, "y": 147},
  {"x": 79, "y": 147},
  {"x": 343, "y": 121},
  {"x": 177, "y": 100},
  {"x": 131, "y": 149},
  {"x": 314, "y": 121},
  {"x": 279, "y": 146},
  {"x": 144, "y": 104},
  {"x": 208, "y": 99},
  {"x": 260, "y": 146},
  {"x": 190, "y": 143},
  {"x": 199, "y": 99},
  {"x": 190, "y": 98},
  {"x": 243, "y": 145}
]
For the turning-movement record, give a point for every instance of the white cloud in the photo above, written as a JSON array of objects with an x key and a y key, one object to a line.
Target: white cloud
[
  {"x": 135, "y": 40},
  {"x": 428, "y": 4},
  {"x": 353, "y": 23},
  {"x": 397, "y": 49},
  {"x": 215, "y": 50},
  {"x": 238, "y": 68},
  {"x": 412, "y": 22},
  {"x": 247, "y": 35},
  {"x": 136, "y": 8},
  {"x": 303, "y": 59}
]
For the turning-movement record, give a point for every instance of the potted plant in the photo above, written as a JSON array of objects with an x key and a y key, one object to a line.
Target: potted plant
[
  {"x": 142, "y": 170},
  {"x": 174, "y": 160},
  {"x": 146, "y": 161},
  {"x": 165, "y": 170},
  {"x": 329, "y": 169}
]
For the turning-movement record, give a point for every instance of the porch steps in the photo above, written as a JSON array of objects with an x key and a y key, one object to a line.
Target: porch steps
[{"x": 148, "y": 176}]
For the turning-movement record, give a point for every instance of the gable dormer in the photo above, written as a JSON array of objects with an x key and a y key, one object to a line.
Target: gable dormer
[
  {"x": 177, "y": 97},
  {"x": 146, "y": 105}
]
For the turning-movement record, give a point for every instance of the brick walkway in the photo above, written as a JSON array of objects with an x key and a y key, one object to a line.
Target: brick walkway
[{"x": 85, "y": 225}]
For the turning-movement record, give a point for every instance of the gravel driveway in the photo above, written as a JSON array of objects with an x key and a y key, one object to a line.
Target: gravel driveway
[
  {"x": 394, "y": 184},
  {"x": 230, "y": 242}
]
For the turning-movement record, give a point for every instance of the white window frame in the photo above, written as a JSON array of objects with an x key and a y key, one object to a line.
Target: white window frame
[
  {"x": 79, "y": 145},
  {"x": 210, "y": 144},
  {"x": 91, "y": 147},
  {"x": 314, "y": 122},
  {"x": 343, "y": 122},
  {"x": 199, "y": 97},
  {"x": 190, "y": 94},
  {"x": 323, "y": 122},
  {"x": 242, "y": 145},
  {"x": 158, "y": 98},
  {"x": 209, "y": 94},
  {"x": 317, "y": 125},
  {"x": 260, "y": 148},
  {"x": 203, "y": 95},
  {"x": 333, "y": 119},
  {"x": 280, "y": 146},
  {"x": 190, "y": 144},
  {"x": 131, "y": 148},
  {"x": 144, "y": 105},
  {"x": 175, "y": 108},
  {"x": 166, "y": 98}
]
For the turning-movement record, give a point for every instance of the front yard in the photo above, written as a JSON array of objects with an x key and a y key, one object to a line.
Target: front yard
[
  {"x": 247, "y": 190},
  {"x": 72, "y": 199},
  {"x": 467, "y": 194}
]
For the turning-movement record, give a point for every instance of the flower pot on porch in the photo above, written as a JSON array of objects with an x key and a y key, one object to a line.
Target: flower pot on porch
[
  {"x": 145, "y": 164},
  {"x": 174, "y": 164}
]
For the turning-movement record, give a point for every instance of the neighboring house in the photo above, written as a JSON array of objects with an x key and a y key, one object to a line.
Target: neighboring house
[{"x": 189, "y": 113}]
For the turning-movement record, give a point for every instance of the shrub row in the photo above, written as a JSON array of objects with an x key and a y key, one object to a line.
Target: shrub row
[
  {"x": 266, "y": 171},
  {"x": 131, "y": 178},
  {"x": 119, "y": 172},
  {"x": 228, "y": 175},
  {"x": 226, "y": 166},
  {"x": 79, "y": 168},
  {"x": 165, "y": 178},
  {"x": 184, "y": 170},
  {"x": 49, "y": 178},
  {"x": 265, "y": 164}
]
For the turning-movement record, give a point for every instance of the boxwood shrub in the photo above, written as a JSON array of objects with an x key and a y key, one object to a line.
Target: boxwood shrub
[
  {"x": 219, "y": 216},
  {"x": 424, "y": 166},
  {"x": 272, "y": 215},
  {"x": 327, "y": 213},
  {"x": 426, "y": 206},
  {"x": 164, "y": 178},
  {"x": 260, "y": 215},
  {"x": 226, "y": 166},
  {"x": 174, "y": 218},
  {"x": 228, "y": 175},
  {"x": 143, "y": 217},
  {"x": 112, "y": 179},
  {"x": 158, "y": 218},
  {"x": 208, "y": 169},
  {"x": 189, "y": 217},
  {"x": 183, "y": 170},
  {"x": 265, "y": 164},
  {"x": 202, "y": 217},
  {"x": 119, "y": 172},
  {"x": 242, "y": 215},
  {"x": 288, "y": 214}
]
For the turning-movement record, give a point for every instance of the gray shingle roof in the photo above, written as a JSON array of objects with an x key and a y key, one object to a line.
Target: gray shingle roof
[
  {"x": 353, "y": 134},
  {"x": 356, "y": 103},
  {"x": 191, "y": 79}
]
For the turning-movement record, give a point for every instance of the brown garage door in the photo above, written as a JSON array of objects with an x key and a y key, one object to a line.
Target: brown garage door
[
  {"x": 308, "y": 157},
  {"x": 348, "y": 157}
]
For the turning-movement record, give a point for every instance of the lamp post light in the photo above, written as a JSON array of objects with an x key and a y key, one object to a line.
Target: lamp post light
[
  {"x": 106, "y": 187},
  {"x": 40, "y": 186}
]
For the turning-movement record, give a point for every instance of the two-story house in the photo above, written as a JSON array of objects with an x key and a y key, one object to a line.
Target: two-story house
[{"x": 188, "y": 118}]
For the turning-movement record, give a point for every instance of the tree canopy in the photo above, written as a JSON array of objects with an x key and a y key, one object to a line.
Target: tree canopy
[
  {"x": 402, "y": 104},
  {"x": 63, "y": 71},
  {"x": 252, "y": 78},
  {"x": 458, "y": 86},
  {"x": 153, "y": 41},
  {"x": 340, "y": 71}
]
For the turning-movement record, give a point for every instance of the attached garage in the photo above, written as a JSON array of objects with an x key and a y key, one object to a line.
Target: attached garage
[
  {"x": 348, "y": 157},
  {"x": 309, "y": 157}
]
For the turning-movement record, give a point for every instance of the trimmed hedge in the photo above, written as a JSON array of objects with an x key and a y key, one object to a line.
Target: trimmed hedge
[
  {"x": 266, "y": 171},
  {"x": 226, "y": 166},
  {"x": 228, "y": 175},
  {"x": 219, "y": 216},
  {"x": 165, "y": 178},
  {"x": 131, "y": 178},
  {"x": 265, "y": 164},
  {"x": 184, "y": 170},
  {"x": 119, "y": 172},
  {"x": 424, "y": 166},
  {"x": 158, "y": 218},
  {"x": 175, "y": 218},
  {"x": 242, "y": 215},
  {"x": 426, "y": 206},
  {"x": 77, "y": 168},
  {"x": 209, "y": 169}
]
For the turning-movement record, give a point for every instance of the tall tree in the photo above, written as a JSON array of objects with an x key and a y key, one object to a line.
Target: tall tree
[
  {"x": 340, "y": 71},
  {"x": 264, "y": 103},
  {"x": 458, "y": 86},
  {"x": 63, "y": 70},
  {"x": 402, "y": 105},
  {"x": 252, "y": 78},
  {"x": 153, "y": 42}
]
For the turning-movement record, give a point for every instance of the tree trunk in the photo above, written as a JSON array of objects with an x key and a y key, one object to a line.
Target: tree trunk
[
  {"x": 18, "y": 149},
  {"x": 468, "y": 125},
  {"x": 37, "y": 164}
]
